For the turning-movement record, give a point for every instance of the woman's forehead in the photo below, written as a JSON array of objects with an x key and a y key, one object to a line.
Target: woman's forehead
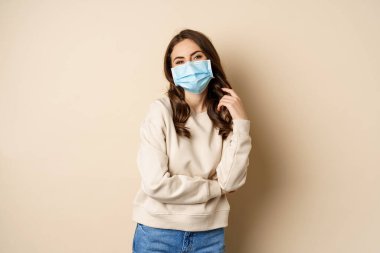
[{"x": 185, "y": 48}]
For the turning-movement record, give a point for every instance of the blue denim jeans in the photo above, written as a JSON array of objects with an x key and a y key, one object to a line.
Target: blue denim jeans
[{"x": 157, "y": 240}]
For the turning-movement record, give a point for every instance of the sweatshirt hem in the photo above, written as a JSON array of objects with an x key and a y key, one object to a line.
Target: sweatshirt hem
[{"x": 185, "y": 222}]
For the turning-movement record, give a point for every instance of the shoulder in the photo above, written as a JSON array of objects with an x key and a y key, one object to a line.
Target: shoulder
[{"x": 159, "y": 109}]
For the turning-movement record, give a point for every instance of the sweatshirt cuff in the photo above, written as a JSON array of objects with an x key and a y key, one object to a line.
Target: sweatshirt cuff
[
  {"x": 214, "y": 189},
  {"x": 241, "y": 125}
]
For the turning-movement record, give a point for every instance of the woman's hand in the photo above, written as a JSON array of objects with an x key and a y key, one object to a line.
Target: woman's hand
[{"x": 233, "y": 104}]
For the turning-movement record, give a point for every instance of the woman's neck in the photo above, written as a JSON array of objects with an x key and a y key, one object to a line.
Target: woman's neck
[{"x": 196, "y": 101}]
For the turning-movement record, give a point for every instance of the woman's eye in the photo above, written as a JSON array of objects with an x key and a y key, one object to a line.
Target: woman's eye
[
  {"x": 199, "y": 56},
  {"x": 178, "y": 62}
]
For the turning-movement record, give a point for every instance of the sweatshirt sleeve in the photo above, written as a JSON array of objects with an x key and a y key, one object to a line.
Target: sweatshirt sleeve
[
  {"x": 232, "y": 168},
  {"x": 152, "y": 160}
]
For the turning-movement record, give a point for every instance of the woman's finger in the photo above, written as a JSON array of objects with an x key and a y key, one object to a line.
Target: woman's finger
[
  {"x": 228, "y": 99},
  {"x": 231, "y": 91},
  {"x": 221, "y": 103},
  {"x": 225, "y": 103}
]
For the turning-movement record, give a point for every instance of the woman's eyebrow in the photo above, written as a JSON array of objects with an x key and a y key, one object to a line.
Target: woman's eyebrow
[{"x": 190, "y": 55}]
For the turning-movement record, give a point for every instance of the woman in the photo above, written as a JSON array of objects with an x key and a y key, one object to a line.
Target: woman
[{"x": 194, "y": 149}]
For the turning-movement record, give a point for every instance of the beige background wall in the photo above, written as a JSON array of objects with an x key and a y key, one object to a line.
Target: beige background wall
[{"x": 75, "y": 81}]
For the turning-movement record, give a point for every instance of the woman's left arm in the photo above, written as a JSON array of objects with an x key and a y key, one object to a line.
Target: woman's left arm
[{"x": 232, "y": 169}]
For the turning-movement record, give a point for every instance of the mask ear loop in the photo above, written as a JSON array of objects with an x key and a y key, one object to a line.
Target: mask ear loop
[{"x": 210, "y": 68}]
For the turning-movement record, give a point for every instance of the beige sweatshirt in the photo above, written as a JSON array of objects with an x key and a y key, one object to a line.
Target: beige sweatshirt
[{"x": 182, "y": 179}]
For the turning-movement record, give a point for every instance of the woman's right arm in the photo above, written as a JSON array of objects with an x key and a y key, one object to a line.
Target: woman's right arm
[{"x": 152, "y": 160}]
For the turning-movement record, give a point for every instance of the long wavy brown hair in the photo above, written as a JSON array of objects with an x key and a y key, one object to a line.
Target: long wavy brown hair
[{"x": 222, "y": 120}]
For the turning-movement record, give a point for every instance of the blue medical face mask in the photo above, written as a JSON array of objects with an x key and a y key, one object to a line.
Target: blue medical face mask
[{"x": 193, "y": 76}]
